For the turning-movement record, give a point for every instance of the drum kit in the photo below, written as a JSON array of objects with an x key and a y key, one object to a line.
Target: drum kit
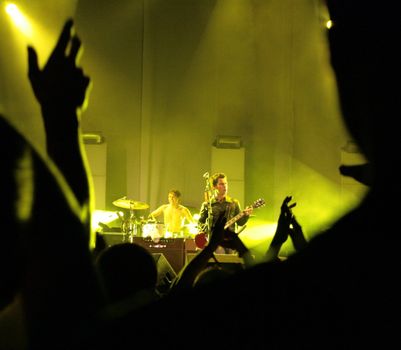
[
  {"x": 131, "y": 224},
  {"x": 137, "y": 226}
]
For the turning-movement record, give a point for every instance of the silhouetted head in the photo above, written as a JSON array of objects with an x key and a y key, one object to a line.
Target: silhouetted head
[
  {"x": 15, "y": 157},
  {"x": 365, "y": 56},
  {"x": 211, "y": 274},
  {"x": 126, "y": 269}
]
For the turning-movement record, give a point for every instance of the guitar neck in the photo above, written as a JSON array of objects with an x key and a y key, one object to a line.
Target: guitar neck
[
  {"x": 260, "y": 202},
  {"x": 234, "y": 219}
]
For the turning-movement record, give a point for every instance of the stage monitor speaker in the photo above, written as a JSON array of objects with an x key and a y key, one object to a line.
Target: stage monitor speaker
[
  {"x": 226, "y": 261},
  {"x": 165, "y": 273},
  {"x": 172, "y": 248},
  {"x": 111, "y": 238}
]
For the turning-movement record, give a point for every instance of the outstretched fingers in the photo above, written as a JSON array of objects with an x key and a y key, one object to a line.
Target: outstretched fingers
[
  {"x": 75, "y": 50},
  {"x": 33, "y": 67},
  {"x": 63, "y": 40},
  {"x": 285, "y": 202}
]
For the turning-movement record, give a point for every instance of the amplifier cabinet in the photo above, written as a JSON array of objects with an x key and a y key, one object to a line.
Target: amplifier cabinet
[{"x": 174, "y": 249}]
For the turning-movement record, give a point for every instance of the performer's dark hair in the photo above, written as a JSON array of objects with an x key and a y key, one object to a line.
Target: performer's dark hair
[{"x": 216, "y": 177}]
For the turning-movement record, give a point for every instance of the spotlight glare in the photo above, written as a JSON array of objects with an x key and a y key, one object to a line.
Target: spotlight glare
[
  {"x": 103, "y": 216},
  {"x": 19, "y": 20},
  {"x": 329, "y": 24}
]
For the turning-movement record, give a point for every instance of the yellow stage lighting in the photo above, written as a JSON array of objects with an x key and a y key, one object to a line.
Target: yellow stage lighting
[
  {"x": 103, "y": 217},
  {"x": 329, "y": 24},
  {"x": 19, "y": 19}
]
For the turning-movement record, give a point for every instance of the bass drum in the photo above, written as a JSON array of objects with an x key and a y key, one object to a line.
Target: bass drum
[
  {"x": 153, "y": 230},
  {"x": 201, "y": 239}
]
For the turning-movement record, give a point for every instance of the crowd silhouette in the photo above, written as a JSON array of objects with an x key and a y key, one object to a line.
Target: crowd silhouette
[
  {"x": 128, "y": 274},
  {"x": 51, "y": 283},
  {"x": 339, "y": 290}
]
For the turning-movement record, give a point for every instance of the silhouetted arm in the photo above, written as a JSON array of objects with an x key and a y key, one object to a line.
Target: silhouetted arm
[
  {"x": 219, "y": 237},
  {"x": 190, "y": 271},
  {"x": 60, "y": 291},
  {"x": 297, "y": 236},
  {"x": 236, "y": 243},
  {"x": 282, "y": 230},
  {"x": 60, "y": 88},
  {"x": 186, "y": 277}
]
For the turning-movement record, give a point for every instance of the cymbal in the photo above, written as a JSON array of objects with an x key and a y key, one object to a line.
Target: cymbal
[{"x": 130, "y": 204}]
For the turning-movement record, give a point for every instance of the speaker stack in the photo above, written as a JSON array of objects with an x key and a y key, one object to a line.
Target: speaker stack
[{"x": 173, "y": 249}]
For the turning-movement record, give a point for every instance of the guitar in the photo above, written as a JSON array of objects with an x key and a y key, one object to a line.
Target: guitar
[
  {"x": 257, "y": 204},
  {"x": 201, "y": 238}
]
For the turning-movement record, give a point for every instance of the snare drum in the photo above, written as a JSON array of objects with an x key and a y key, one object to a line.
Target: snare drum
[
  {"x": 153, "y": 230},
  {"x": 190, "y": 230}
]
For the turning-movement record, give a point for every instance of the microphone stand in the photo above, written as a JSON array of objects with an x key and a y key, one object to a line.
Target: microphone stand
[
  {"x": 208, "y": 199},
  {"x": 209, "y": 219}
]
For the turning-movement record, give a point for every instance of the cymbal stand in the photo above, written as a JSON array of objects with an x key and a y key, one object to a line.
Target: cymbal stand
[{"x": 129, "y": 227}]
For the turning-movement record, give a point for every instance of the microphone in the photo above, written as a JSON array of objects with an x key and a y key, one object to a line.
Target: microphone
[
  {"x": 103, "y": 226},
  {"x": 206, "y": 175}
]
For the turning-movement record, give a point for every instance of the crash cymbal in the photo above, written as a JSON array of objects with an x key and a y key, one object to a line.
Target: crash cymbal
[{"x": 130, "y": 204}]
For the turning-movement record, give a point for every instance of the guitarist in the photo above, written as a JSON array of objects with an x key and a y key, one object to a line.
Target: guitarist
[{"x": 220, "y": 204}]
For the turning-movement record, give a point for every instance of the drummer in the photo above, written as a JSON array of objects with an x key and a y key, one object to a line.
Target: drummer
[{"x": 175, "y": 215}]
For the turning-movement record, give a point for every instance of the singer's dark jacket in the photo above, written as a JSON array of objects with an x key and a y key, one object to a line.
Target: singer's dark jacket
[{"x": 229, "y": 207}]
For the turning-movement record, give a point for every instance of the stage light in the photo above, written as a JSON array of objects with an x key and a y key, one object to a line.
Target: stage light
[
  {"x": 19, "y": 19},
  {"x": 104, "y": 217},
  {"x": 227, "y": 142},
  {"x": 329, "y": 24}
]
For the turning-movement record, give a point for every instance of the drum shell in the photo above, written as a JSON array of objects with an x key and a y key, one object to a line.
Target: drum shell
[
  {"x": 153, "y": 230},
  {"x": 131, "y": 228}
]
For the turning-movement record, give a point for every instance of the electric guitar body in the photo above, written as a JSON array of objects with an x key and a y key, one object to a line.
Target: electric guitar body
[{"x": 202, "y": 238}]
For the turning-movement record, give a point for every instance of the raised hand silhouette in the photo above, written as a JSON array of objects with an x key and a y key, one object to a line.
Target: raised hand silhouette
[
  {"x": 61, "y": 88},
  {"x": 61, "y": 83}
]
